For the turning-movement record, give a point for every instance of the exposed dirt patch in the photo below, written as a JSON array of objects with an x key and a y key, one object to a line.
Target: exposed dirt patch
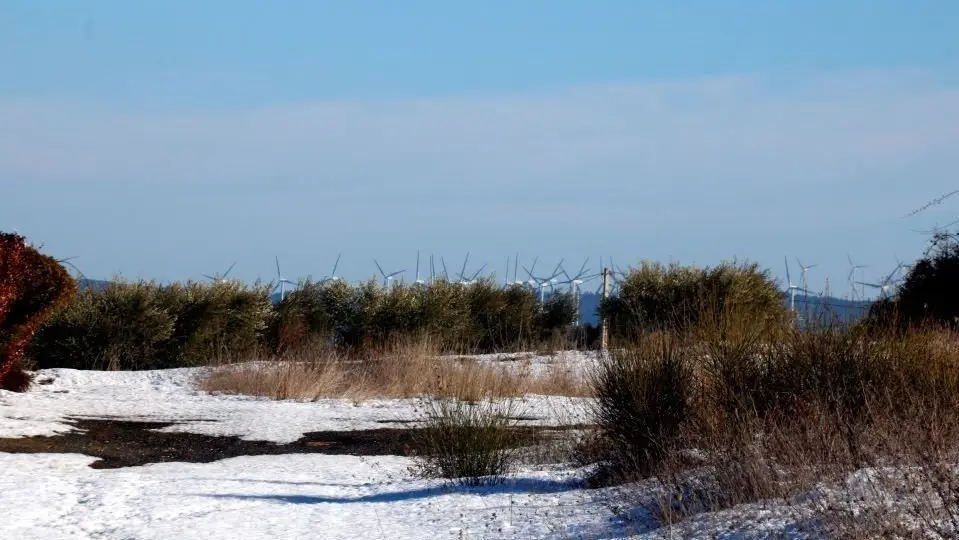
[{"x": 124, "y": 443}]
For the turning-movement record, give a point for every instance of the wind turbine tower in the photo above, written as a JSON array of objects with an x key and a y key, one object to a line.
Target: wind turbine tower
[
  {"x": 418, "y": 280},
  {"x": 792, "y": 288}
]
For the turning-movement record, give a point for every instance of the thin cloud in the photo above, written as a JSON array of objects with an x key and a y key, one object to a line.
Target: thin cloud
[{"x": 810, "y": 131}]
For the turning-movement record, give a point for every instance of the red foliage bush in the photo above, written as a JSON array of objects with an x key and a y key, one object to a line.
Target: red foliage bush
[{"x": 32, "y": 286}]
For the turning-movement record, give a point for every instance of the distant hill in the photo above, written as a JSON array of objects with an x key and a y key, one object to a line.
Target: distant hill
[
  {"x": 811, "y": 307},
  {"x": 95, "y": 284}
]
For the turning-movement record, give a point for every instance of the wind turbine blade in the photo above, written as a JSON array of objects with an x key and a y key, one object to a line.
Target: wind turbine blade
[
  {"x": 278, "y": 273},
  {"x": 465, "y": 261},
  {"x": 394, "y": 274},
  {"x": 228, "y": 270},
  {"x": 336, "y": 264},
  {"x": 891, "y": 274},
  {"x": 559, "y": 265},
  {"x": 568, "y": 279},
  {"x": 516, "y": 267},
  {"x": 789, "y": 280},
  {"x": 417, "y": 265},
  {"x": 478, "y": 272},
  {"x": 582, "y": 269},
  {"x": 445, "y": 273},
  {"x": 533, "y": 267},
  {"x": 208, "y": 276},
  {"x": 380, "y": 268}
]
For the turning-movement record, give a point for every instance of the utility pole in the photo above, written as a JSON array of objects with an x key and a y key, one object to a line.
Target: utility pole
[{"x": 604, "y": 331}]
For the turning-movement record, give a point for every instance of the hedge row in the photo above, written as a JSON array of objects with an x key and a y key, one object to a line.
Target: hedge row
[{"x": 146, "y": 325}]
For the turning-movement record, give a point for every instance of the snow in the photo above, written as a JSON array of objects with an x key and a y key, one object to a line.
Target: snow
[
  {"x": 53, "y": 496},
  {"x": 171, "y": 395}
]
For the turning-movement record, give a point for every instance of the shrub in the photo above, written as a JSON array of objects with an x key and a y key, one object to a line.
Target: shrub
[
  {"x": 470, "y": 443},
  {"x": 739, "y": 409},
  {"x": 656, "y": 297},
  {"x": 642, "y": 401},
  {"x": 480, "y": 317},
  {"x": 929, "y": 292},
  {"x": 145, "y": 325},
  {"x": 216, "y": 320},
  {"x": 32, "y": 285}
]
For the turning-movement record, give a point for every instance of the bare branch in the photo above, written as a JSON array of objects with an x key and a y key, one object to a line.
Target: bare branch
[{"x": 933, "y": 202}]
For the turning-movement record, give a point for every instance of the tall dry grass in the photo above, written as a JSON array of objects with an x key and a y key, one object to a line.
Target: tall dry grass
[
  {"x": 731, "y": 411},
  {"x": 407, "y": 369}
]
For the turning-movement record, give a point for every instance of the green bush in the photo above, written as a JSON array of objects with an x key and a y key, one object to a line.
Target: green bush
[
  {"x": 482, "y": 316},
  {"x": 929, "y": 292},
  {"x": 145, "y": 325},
  {"x": 657, "y": 297}
]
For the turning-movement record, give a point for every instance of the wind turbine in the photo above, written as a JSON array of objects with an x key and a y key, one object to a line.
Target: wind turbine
[
  {"x": 281, "y": 281},
  {"x": 805, "y": 271},
  {"x": 516, "y": 269},
  {"x": 387, "y": 278},
  {"x": 542, "y": 283},
  {"x": 476, "y": 274},
  {"x": 792, "y": 288},
  {"x": 472, "y": 279},
  {"x": 574, "y": 283},
  {"x": 613, "y": 271},
  {"x": 446, "y": 274},
  {"x": 463, "y": 271},
  {"x": 216, "y": 278},
  {"x": 332, "y": 276},
  {"x": 885, "y": 284},
  {"x": 852, "y": 274}
]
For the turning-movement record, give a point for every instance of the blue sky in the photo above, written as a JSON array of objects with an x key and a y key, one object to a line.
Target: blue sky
[{"x": 169, "y": 139}]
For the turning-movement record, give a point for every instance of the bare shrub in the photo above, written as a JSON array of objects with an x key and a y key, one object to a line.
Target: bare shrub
[
  {"x": 770, "y": 414},
  {"x": 469, "y": 443},
  {"x": 642, "y": 401}
]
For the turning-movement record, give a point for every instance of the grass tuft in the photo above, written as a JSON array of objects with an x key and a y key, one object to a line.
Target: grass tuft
[{"x": 469, "y": 443}]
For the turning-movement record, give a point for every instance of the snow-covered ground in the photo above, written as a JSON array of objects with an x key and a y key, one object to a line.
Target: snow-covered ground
[{"x": 48, "y": 496}]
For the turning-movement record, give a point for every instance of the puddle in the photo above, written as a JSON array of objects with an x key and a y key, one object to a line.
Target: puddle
[{"x": 126, "y": 443}]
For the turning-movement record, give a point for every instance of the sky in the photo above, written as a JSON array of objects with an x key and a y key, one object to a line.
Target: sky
[{"x": 167, "y": 140}]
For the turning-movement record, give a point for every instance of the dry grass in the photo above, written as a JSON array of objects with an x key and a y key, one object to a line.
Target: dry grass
[
  {"x": 411, "y": 369},
  {"x": 735, "y": 412}
]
